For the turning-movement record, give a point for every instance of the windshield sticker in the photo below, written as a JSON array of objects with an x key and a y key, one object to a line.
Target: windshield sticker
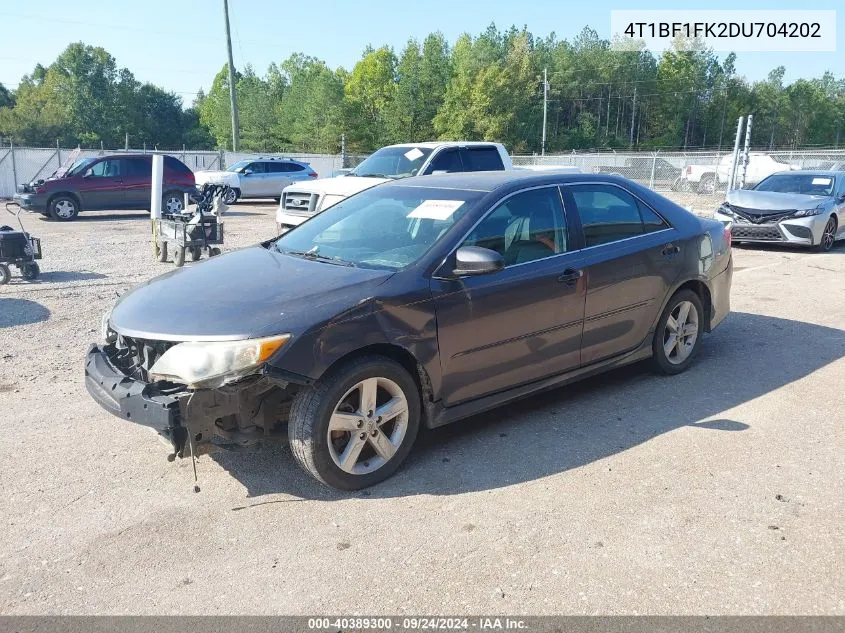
[
  {"x": 413, "y": 154},
  {"x": 821, "y": 181},
  {"x": 436, "y": 209}
]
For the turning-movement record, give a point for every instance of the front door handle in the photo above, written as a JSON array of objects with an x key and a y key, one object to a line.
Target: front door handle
[
  {"x": 670, "y": 249},
  {"x": 571, "y": 276}
]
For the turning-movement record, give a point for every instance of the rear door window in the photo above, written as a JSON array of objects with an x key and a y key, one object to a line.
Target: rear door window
[
  {"x": 137, "y": 168},
  {"x": 609, "y": 214},
  {"x": 173, "y": 164},
  {"x": 482, "y": 159},
  {"x": 448, "y": 160}
]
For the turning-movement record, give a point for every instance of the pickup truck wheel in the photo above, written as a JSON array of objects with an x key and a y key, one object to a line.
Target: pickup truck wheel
[
  {"x": 707, "y": 184},
  {"x": 231, "y": 196},
  {"x": 5, "y": 274},
  {"x": 354, "y": 427},
  {"x": 64, "y": 208}
]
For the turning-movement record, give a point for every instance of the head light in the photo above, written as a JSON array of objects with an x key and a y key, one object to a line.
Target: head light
[
  {"x": 210, "y": 364},
  {"x": 804, "y": 213}
]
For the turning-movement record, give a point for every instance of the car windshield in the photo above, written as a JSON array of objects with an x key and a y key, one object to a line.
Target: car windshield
[
  {"x": 238, "y": 166},
  {"x": 393, "y": 162},
  {"x": 385, "y": 227},
  {"x": 79, "y": 166},
  {"x": 809, "y": 184}
]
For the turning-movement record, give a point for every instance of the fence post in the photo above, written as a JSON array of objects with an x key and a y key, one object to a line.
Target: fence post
[
  {"x": 653, "y": 166},
  {"x": 343, "y": 157},
  {"x": 14, "y": 166},
  {"x": 220, "y": 159},
  {"x": 58, "y": 154}
]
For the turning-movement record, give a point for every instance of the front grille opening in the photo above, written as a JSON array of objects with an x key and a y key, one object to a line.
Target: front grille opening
[{"x": 135, "y": 357}]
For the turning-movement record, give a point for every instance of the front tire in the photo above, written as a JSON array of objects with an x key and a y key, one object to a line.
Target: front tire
[
  {"x": 354, "y": 427},
  {"x": 678, "y": 334},
  {"x": 231, "y": 196},
  {"x": 64, "y": 208},
  {"x": 828, "y": 235},
  {"x": 707, "y": 184},
  {"x": 5, "y": 274}
]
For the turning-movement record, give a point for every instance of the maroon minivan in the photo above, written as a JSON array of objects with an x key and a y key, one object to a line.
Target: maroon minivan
[{"x": 119, "y": 181}]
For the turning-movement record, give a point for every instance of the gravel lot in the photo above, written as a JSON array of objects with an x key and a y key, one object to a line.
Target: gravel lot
[{"x": 719, "y": 491}]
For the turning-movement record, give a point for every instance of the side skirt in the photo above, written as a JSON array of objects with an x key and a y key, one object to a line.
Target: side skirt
[{"x": 446, "y": 415}]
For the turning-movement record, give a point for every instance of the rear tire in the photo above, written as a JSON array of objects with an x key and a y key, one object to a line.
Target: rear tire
[
  {"x": 5, "y": 274},
  {"x": 173, "y": 202},
  {"x": 64, "y": 208},
  {"x": 677, "y": 338},
  {"x": 179, "y": 256},
  {"x": 364, "y": 415}
]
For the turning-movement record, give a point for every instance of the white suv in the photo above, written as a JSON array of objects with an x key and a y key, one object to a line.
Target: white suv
[
  {"x": 302, "y": 200},
  {"x": 257, "y": 177}
]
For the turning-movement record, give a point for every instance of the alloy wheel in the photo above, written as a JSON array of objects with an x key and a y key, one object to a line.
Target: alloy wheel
[
  {"x": 680, "y": 333},
  {"x": 829, "y": 235},
  {"x": 368, "y": 426}
]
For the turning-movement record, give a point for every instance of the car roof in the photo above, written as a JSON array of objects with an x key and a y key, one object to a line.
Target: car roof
[
  {"x": 809, "y": 172},
  {"x": 436, "y": 144},
  {"x": 492, "y": 180}
]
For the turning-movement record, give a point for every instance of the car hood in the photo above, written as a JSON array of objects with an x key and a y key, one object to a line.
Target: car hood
[
  {"x": 338, "y": 186},
  {"x": 248, "y": 293},
  {"x": 773, "y": 201}
]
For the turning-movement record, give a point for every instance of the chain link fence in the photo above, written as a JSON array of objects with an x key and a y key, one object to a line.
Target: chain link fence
[
  {"x": 26, "y": 164},
  {"x": 704, "y": 173}
]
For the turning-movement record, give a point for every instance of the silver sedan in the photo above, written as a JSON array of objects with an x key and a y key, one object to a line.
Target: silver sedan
[{"x": 805, "y": 208}]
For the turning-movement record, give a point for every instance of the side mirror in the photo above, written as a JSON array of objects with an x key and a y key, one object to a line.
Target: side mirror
[
  {"x": 246, "y": 172},
  {"x": 475, "y": 260}
]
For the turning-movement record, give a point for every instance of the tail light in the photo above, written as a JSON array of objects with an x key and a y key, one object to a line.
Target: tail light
[
  {"x": 312, "y": 174},
  {"x": 727, "y": 234}
]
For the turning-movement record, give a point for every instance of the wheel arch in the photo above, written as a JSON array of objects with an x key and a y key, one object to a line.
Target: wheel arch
[
  {"x": 701, "y": 289},
  {"x": 404, "y": 358},
  {"x": 69, "y": 194}
]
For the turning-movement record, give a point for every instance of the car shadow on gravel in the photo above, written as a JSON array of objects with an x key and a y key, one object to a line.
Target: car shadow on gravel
[
  {"x": 21, "y": 312},
  {"x": 746, "y": 357}
]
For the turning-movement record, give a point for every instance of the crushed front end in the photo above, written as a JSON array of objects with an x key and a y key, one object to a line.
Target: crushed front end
[{"x": 238, "y": 412}]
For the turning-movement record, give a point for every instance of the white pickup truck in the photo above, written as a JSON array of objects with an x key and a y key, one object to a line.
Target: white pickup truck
[
  {"x": 302, "y": 200},
  {"x": 708, "y": 178}
]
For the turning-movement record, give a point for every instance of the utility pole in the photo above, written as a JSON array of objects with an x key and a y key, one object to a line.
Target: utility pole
[
  {"x": 233, "y": 99},
  {"x": 633, "y": 116},
  {"x": 545, "y": 108}
]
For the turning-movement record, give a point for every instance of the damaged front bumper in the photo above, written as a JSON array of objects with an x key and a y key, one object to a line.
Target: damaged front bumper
[{"x": 233, "y": 416}]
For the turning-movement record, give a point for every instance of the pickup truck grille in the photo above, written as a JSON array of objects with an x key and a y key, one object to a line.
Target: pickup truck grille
[{"x": 300, "y": 203}]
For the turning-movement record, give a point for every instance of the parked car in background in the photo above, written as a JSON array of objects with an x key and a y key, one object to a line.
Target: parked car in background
[
  {"x": 257, "y": 177},
  {"x": 805, "y": 208},
  {"x": 119, "y": 181},
  {"x": 419, "y": 302},
  {"x": 708, "y": 178},
  {"x": 303, "y": 200},
  {"x": 642, "y": 169}
]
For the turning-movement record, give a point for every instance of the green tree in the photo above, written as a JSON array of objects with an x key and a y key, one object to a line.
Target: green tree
[{"x": 370, "y": 90}]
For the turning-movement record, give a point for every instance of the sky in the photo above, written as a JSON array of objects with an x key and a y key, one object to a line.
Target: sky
[{"x": 180, "y": 44}]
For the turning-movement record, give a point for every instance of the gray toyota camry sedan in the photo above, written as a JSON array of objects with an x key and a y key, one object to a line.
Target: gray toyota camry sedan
[{"x": 418, "y": 302}]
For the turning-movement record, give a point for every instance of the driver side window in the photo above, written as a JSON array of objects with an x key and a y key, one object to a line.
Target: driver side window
[
  {"x": 105, "y": 169},
  {"x": 448, "y": 160},
  {"x": 525, "y": 227}
]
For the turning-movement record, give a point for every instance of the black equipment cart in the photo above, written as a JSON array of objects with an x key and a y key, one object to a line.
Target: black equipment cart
[{"x": 18, "y": 248}]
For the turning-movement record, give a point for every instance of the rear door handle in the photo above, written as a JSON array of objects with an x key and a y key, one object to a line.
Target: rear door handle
[
  {"x": 670, "y": 249},
  {"x": 571, "y": 276}
]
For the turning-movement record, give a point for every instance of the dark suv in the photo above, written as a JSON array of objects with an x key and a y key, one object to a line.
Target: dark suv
[{"x": 122, "y": 181}]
